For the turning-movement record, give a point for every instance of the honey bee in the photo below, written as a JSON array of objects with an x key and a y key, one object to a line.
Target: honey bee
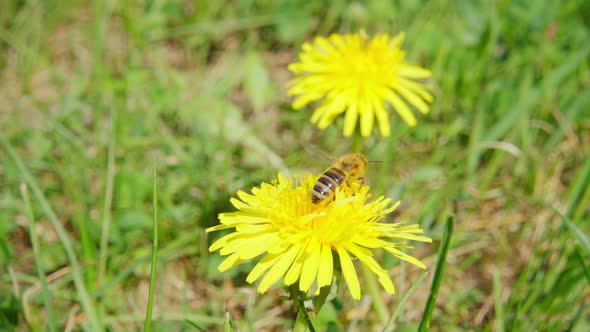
[{"x": 344, "y": 170}]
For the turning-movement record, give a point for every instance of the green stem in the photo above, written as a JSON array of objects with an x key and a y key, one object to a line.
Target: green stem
[
  {"x": 440, "y": 267},
  {"x": 580, "y": 185},
  {"x": 302, "y": 321},
  {"x": 390, "y": 326},
  {"x": 148, "y": 317},
  {"x": 357, "y": 142},
  {"x": 385, "y": 166},
  {"x": 108, "y": 201},
  {"x": 38, "y": 262}
]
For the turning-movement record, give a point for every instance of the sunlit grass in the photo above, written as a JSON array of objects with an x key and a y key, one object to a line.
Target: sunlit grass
[{"x": 201, "y": 90}]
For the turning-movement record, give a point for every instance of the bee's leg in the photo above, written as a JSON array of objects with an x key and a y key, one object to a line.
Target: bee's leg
[{"x": 359, "y": 180}]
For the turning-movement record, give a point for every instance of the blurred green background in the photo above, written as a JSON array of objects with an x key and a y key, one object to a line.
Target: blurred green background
[{"x": 92, "y": 94}]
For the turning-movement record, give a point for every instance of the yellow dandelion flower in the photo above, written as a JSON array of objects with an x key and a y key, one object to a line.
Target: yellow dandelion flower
[
  {"x": 300, "y": 241},
  {"x": 352, "y": 74}
]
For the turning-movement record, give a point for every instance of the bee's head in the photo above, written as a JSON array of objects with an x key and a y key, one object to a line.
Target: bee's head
[{"x": 355, "y": 164}]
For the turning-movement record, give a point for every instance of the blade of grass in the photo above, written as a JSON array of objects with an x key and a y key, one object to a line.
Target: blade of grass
[
  {"x": 195, "y": 325},
  {"x": 45, "y": 294},
  {"x": 148, "y": 317},
  {"x": 75, "y": 185},
  {"x": 390, "y": 326},
  {"x": 108, "y": 200},
  {"x": 498, "y": 306},
  {"x": 436, "y": 280},
  {"x": 578, "y": 188},
  {"x": 584, "y": 264},
  {"x": 576, "y": 318},
  {"x": 228, "y": 325},
  {"x": 373, "y": 290},
  {"x": 87, "y": 304},
  {"x": 582, "y": 238}
]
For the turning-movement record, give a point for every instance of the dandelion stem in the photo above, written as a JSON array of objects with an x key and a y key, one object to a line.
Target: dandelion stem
[
  {"x": 357, "y": 142},
  {"x": 302, "y": 316}
]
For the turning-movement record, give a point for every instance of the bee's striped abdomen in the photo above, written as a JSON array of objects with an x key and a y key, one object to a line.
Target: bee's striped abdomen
[{"x": 327, "y": 183}]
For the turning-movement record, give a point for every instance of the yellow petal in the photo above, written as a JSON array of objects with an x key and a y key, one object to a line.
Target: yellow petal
[
  {"x": 364, "y": 256},
  {"x": 277, "y": 271},
  {"x": 332, "y": 108},
  {"x": 386, "y": 282},
  {"x": 411, "y": 71},
  {"x": 370, "y": 242},
  {"x": 305, "y": 99},
  {"x": 255, "y": 225},
  {"x": 257, "y": 247},
  {"x": 405, "y": 257},
  {"x": 367, "y": 120},
  {"x": 413, "y": 99},
  {"x": 400, "y": 235},
  {"x": 318, "y": 113},
  {"x": 310, "y": 267},
  {"x": 416, "y": 87},
  {"x": 223, "y": 241},
  {"x": 350, "y": 118},
  {"x": 349, "y": 274},
  {"x": 238, "y": 243},
  {"x": 237, "y": 218},
  {"x": 398, "y": 40},
  {"x": 382, "y": 118},
  {"x": 401, "y": 108},
  {"x": 262, "y": 267},
  {"x": 325, "y": 271},
  {"x": 295, "y": 269},
  {"x": 229, "y": 262},
  {"x": 218, "y": 228},
  {"x": 239, "y": 204}
]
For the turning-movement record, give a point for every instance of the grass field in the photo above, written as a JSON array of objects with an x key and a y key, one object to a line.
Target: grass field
[{"x": 96, "y": 97}]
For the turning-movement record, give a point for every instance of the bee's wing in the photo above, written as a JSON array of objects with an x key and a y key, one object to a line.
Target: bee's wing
[{"x": 319, "y": 154}]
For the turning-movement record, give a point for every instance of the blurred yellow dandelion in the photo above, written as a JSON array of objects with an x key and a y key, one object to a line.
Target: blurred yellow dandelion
[
  {"x": 357, "y": 75},
  {"x": 300, "y": 241}
]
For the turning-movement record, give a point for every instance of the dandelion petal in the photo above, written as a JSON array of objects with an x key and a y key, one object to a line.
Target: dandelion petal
[
  {"x": 278, "y": 269},
  {"x": 349, "y": 274},
  {"x": 325, "y": 271}
]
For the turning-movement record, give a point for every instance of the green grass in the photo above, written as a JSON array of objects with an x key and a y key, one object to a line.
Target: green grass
[
  {"x": 438, "y": 275},
  {"x": 93, "y": 94},
  {"x": 153, "y": 273}
]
